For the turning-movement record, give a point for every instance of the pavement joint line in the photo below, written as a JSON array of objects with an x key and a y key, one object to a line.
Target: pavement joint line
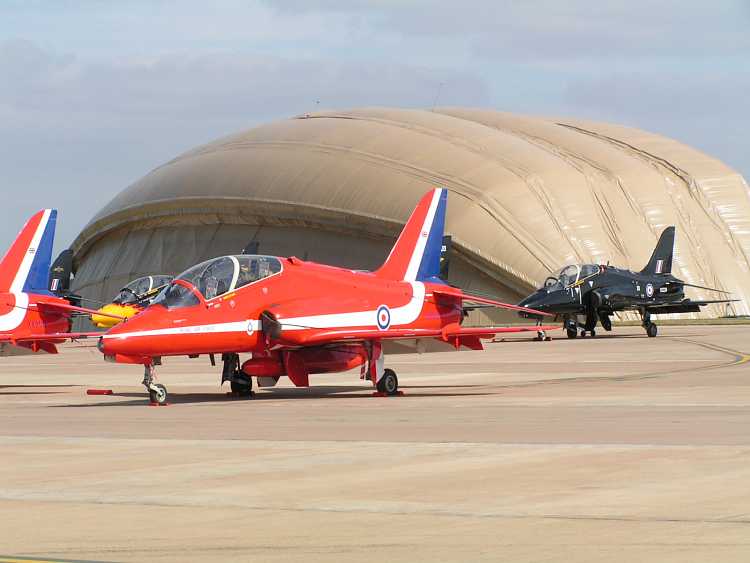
[
  {"x": 20, "y": 559},
  {"x": 233, "y": 442},
  {"x": 399, "y": 512}
]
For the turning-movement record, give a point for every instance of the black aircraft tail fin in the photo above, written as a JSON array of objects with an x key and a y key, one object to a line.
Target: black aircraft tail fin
[
  {"x": 445, "y": 257},
  {"x": 661, "y": 259},
  {"x": 59, "y": 273}
]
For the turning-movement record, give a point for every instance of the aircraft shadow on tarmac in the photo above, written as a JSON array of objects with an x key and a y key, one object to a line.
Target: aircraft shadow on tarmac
[
  {"x": 600, "y": 336},
  {"x": 313, "y": 392},
  {"x": 32, "y": 389}
]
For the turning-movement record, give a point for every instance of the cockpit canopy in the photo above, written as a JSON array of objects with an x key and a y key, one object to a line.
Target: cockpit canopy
[
  {"x": 569, "y": 275},
  {"x": 137, "y": 289},
  {"x": 218, "y": 276}
]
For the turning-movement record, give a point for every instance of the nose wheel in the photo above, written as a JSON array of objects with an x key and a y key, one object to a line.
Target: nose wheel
[
  {"x": 157, "y": 393},
  {"x": 541, "y": 335}
]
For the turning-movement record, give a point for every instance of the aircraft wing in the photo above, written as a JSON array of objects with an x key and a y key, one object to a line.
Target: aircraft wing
[
  {"x": 451, "y": 333},
  {"x": 44, "y": 342},
  {"x": 73, "y": 308},
  {"x": 686, "y": 306}
]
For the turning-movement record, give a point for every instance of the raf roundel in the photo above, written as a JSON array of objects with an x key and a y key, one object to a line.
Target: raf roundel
[
  {"x": 649, "y": 290},
  {"x": 384, "y": 317}
]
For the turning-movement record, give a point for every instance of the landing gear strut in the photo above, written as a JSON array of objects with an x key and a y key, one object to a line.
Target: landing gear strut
[
  {"x": 157, "y": 393},
  {"x": 571, "y": 328},
  {"x": 384, "y": 379},
  {"x": 572, "y": 325},
  {"x": 240, "y": 384},
  {"x": 541, "y": 335},
  {"x": 650, "y": 326}
]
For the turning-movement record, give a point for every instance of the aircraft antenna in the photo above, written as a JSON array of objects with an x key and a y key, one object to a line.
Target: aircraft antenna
[{"x": 437, "y": 95}]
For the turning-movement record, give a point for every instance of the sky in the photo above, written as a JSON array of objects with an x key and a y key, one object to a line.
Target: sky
[{"x": 95, "y": 94}]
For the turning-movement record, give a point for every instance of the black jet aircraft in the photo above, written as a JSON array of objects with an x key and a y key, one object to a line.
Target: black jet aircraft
[{"x": 594, "y": 292}]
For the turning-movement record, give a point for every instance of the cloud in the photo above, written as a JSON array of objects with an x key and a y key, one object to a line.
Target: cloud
[
  {"x": 76, "y": 131},
  {"x": 100, "y": 93},
  {"x": 707, "y": 110},
  {"x": 549, "y": 30}
]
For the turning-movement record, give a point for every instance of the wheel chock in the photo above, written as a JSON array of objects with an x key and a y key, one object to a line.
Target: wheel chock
[
  {"x": 381, "y": 394},
  {"x": 98, "y": 391},
  {"x": 155, "y": 404}
]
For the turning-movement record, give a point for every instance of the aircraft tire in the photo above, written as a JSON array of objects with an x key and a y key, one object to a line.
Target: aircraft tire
[
  {"x": 242, "y": 388},
  {"x": 572, "y": 333},
  {"x": 652, "y": 330},
  {"x": 388, "y": 384},
  {"x": 158, "y": 395},
  {"x": 583, "y": 334},
  {"x": 593, "y": 333}
]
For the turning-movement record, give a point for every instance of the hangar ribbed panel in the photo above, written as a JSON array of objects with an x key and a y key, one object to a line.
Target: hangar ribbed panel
[{"x": 528, "y": 195}]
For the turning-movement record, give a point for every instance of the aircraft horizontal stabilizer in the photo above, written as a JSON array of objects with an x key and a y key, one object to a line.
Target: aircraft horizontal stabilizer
[
  {"x": 73, "y": 308},
  {"x": 706, "y": 288},
  {"x": 454, "y": 294},
  {"x": 50, "y": 336},
  {"x": 686, "y": 306}
]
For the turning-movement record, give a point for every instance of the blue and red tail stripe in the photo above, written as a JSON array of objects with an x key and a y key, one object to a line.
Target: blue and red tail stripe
[
  {"x": 416, "y": 254},
  {"x": 25, "y": 267}
]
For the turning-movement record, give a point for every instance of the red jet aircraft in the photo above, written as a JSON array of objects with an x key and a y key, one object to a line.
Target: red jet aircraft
[
  {"x": 298, "y": 318},
  {"x": 32, "y": 318}
]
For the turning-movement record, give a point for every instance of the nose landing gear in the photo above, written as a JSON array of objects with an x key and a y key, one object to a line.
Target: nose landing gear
[
  {"x": 157, "y": 392},
  {"x": 541, "y": 335}
]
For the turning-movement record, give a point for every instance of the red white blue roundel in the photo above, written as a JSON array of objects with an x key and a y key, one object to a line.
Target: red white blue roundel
[
  {"x": 384, "y": 317},
  {"x": 649, "y": 290}
]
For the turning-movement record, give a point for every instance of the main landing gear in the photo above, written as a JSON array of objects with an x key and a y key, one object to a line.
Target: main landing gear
[
  {"x": 571, "y": 329},
  {"x": 157, "y": 393},
  {"x": 384, "y": 379},
  {"x": 388, "y": 384},
  {"x": 648, "y": 324},
  {"x": 240, "y": 384}
]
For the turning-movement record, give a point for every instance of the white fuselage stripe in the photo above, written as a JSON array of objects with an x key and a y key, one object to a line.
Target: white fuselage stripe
[
  {"x": 240, "y": 326},
  {"x": 403, "y": 315},
  {"x": 418, "y": 252}
]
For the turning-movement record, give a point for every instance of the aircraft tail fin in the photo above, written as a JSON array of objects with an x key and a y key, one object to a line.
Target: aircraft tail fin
[
  {"x": 25, "y": 266},
  {"x": 416, "y": 254},
  {"x": 661, "y": 259}
]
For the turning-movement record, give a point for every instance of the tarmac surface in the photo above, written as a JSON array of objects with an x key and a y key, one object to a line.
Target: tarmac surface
[{"x": 618, "y": 448}]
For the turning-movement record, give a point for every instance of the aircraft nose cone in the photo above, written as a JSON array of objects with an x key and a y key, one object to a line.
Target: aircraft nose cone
[
  {"x": 118, "y": 340},
  {"x": 534, "y": 301}
]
